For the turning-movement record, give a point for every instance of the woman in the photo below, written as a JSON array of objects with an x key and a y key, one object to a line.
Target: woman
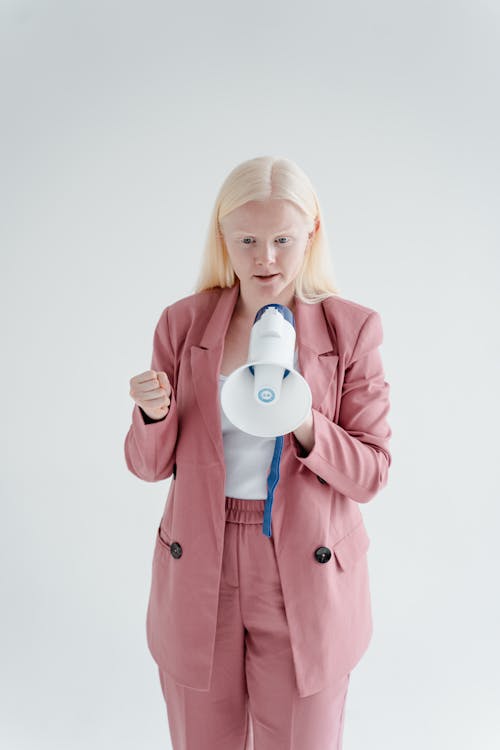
[{"x": 255, "y": 635}]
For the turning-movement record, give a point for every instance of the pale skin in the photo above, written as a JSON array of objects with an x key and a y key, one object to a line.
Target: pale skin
[{"x": 261, "y": 237}]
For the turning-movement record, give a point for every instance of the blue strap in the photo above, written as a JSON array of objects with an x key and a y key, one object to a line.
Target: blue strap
[{"x": 272, "y": 481}]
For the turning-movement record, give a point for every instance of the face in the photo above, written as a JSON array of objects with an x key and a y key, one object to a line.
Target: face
[{"x": 266, "y": 237}]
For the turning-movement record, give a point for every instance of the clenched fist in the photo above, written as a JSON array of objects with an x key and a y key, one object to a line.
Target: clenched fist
[{"x": 151, "y": 391}]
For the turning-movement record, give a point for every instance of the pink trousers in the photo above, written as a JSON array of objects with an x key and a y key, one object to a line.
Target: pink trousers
[{"x": 252, "y": 703}]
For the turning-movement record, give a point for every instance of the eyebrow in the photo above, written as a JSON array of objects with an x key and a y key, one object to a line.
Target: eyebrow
[{"x": 281, "y": 231}]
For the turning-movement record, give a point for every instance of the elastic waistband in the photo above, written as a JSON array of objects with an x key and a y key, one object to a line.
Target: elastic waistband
[{"x": 243, "y": 510}]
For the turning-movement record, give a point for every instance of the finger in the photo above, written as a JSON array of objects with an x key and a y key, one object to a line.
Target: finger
[
  {"x": 164, "y": 381},
  {"x": 147, "y": 386},
  {"x": 154, "y": 401},
  {"x": 143, "y": 377}
]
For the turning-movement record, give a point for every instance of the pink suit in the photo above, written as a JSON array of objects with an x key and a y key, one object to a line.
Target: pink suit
[{"x": 319, "y": 538}]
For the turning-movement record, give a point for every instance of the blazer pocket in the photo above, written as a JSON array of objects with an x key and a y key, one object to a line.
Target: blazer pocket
[
  {"x": 352, "y": 546},
  {"x": 162, "y": 539}
]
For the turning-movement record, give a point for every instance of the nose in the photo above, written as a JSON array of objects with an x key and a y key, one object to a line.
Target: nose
[{"x": 266, "y": 253}]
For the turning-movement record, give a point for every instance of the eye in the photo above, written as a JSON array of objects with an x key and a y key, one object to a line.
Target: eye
[{"x": 251, "y": 240}]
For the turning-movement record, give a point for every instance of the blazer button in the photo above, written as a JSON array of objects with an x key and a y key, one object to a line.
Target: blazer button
[
  {"x": 175, "y": 549},
  {"x": 322, "y": 554},
  {"x": 320, "y": 479},
  {"x": 174, "y": 470}
]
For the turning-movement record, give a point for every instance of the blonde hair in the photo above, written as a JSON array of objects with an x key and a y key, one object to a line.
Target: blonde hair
[{"x": 260, "y": 179}]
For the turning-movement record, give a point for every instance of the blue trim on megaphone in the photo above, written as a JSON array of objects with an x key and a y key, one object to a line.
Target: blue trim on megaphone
[
  {"x": 272, "y": 481},
  {"x": 283, "y": 309},
  {"x": 285, "y": 374}
]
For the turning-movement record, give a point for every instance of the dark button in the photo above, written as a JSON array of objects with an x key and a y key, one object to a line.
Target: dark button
[
  {"x": 320, "y": 479},
  {"x": 322, "y": 554},
  {"x": 175, "y": 549},
  {"x": 174, "y": 470}
]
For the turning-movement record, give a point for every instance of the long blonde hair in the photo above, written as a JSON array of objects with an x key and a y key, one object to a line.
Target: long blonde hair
[{"x": 263, "y": 178}]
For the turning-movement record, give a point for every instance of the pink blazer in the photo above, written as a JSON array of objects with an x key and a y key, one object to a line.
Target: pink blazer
[{"x": 317, "y": 526}]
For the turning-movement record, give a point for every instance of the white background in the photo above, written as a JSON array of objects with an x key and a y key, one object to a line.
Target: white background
[{"x": 119, "y": 122}]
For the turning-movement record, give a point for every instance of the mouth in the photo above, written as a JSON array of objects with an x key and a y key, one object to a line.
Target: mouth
[{"x": 268, "y": 276}]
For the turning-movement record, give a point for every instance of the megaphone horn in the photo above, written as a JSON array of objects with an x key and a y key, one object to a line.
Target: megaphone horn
[{"x": 267, "y": 396}]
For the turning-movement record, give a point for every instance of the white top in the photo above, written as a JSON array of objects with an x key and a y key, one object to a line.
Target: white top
[{"x": 247, "y": 457}]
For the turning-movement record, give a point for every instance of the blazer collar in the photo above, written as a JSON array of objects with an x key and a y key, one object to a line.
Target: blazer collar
[{"x": 317, "y": 356}]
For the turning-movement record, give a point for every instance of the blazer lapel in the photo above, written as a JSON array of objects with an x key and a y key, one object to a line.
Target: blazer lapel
[
  {"x": 317, "y": 355},
  {"x": 206, "y": 358}
]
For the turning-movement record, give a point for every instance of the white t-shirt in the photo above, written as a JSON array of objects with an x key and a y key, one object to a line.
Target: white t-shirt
[{"x": 247, "y": 457}]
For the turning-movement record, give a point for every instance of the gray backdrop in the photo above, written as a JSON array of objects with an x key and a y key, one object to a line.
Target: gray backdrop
[{"x": 119, "y": 121}]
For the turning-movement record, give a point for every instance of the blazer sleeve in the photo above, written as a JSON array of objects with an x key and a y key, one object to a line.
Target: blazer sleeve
[
  {"x": 149, "y": 444},
  {"x": 353, "y": 456}
]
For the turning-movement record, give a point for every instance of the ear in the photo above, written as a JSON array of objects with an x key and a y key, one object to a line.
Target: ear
[{"x": 316, "y": 227}]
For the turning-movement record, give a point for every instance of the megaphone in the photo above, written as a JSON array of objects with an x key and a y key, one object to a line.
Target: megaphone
[{"x": 267, "y": 397}]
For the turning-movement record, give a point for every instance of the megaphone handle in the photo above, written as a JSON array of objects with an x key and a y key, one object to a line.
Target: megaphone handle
[{"x": 272, "y": 481}]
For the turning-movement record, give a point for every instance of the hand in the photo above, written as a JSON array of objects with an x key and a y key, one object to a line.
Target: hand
[
  {"x": 305, "y": 433},
  {"x": 151, "y": 391}
]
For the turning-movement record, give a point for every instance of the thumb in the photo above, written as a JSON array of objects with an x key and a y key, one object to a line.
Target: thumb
[{"x": 163, "y": 380}]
